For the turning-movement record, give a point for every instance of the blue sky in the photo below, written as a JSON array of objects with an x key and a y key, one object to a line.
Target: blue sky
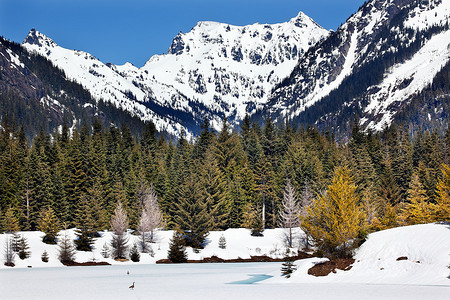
[{"x": 134, "y": 30}]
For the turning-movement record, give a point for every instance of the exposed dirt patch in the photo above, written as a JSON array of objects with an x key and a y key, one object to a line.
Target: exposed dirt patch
[
  {"x": 325, "y": 268},
  {"x": 10, "y": 264},
  {"x": 88, "y": 263},
  {"x": 121, "y": 259},
  {"x": 261, "y": 258}
]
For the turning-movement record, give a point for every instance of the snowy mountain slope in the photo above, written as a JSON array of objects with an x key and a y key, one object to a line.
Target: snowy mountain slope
[
  {"x": 415, "y": 74},
  {"x": 36, "y": 94},
  {"x": 232, "y": 67},
  {"x": 384, "y": 53},
  {"x": 100, "y": 80},
  {"x": 214, "y": 70}
]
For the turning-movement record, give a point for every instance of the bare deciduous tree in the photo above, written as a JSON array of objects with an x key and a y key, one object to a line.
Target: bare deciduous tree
[
  {"x": 151, "y": 217},
  {"x": 289, "y": 216},
  {"x": 119, "y": 225},
  {"x": 9, "y": 253}
]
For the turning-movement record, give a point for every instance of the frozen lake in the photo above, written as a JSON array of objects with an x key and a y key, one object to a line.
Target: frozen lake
[{"x": 190, "y": 281}]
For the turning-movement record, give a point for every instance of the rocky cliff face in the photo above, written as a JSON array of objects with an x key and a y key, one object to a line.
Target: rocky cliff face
[{"x": 15, "y": 76}]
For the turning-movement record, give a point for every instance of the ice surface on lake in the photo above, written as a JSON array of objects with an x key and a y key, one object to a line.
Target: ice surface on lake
[{"x": 188, "y": 281}]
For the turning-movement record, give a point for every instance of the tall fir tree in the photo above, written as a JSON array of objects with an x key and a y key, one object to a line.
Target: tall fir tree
[
  {"x": 177, "y": 250},
  {"x": 85, "y": 223},
  {"x": 193, "y": 217}
]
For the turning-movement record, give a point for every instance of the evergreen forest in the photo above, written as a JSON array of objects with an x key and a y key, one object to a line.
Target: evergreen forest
[{"x": 220, "y": 180}]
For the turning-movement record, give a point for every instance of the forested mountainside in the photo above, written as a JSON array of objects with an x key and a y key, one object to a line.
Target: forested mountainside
[
  {"x": 36, "y": 95},
  {"x": 388, "y": 63},
  {"x": 223, "y": 180}
]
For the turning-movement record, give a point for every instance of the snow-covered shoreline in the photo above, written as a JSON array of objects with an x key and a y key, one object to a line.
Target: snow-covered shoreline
[
  {"x": 376, "y": 274},
  {"x": 239, "y": 244},
  {"x": 426, "y": 248}
]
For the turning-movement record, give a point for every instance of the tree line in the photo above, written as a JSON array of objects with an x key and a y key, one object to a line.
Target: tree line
[{"x": 225, "y": 179}]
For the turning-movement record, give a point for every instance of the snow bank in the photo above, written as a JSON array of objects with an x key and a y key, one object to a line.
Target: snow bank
[{"x": 426, "y": 248}]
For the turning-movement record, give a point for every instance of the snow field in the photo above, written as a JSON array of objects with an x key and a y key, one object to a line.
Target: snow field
[
  {"x": 239, "y": 243},
  {"x": 376, "y": 273}
]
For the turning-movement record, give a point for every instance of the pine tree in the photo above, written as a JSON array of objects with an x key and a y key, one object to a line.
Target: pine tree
[
  {"x": 288, "y": 266},
  {"x": 370, "y": 202},
  {"x": 193, "y": 217},
  {"x": 265, "y": 178},
  {"x": 177, "y": 250},
  {"x": 306, "y": 199},
  {"x": 49, "y": 224},
  {"x": 402, "y": 163},
  {"x": 15, "y": 241},
  {"x": 257, "y": 227},
  {"x": 252, "y": 219},
  {"x": 85, "y": 226},
  {"x": 119, "y": 225},
  {"x": 204, "y": 141},
  {"x": 213, "y": 181},
  {"x": 302, "y": 165},
  {"x": 364, "y": 170},
  {"x": 148, "y": 141},
  {"x": 44, "y": 256},
  {"x": 134, "y": 254},
  {"x": 334, "y": 219},
  {"x": 75, "y": 174},
  {"x": 222, "y": 242},
  {"x": 66, "y": 253},
  {"x": 98, "y": 212},
  {"x": 10, "y": 224},
  {"x": 23, "y": 248}
]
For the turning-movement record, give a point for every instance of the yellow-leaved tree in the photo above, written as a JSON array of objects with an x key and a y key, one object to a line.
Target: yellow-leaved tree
[
  {"x": 335, "y": 220},
  {"x": 442, "y": 207},
  {"x": 418, "y": 210}
]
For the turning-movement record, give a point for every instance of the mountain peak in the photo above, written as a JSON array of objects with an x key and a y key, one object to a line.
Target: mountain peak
[
  {"x": 302, "y": 20},
  {"x": 34, "y": 37}
]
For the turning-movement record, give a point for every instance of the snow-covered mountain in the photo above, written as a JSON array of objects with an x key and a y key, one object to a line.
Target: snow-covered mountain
[
  {"x": 103, "y": 82},
  {"x": 373, "y": 66},
  {"x": 36, "y": 94},
  {"x": 389, "y": 62},
  {"x": 214, "y": 70}
]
